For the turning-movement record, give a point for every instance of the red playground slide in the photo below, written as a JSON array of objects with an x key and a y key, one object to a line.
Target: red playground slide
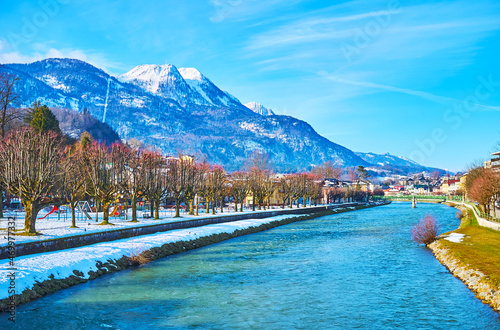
[{"x": 55, "y": 208}]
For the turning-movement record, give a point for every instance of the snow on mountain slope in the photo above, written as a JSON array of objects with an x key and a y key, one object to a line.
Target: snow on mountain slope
[
  {"x": 156, "y": 104},
  {"x": 386, "y": 159},
  {"x": 259, "y": 108},
  {"x": 207, "y": 89},
  {"x": 164, "y": 80},
  {"x": 391, "y": 161}
]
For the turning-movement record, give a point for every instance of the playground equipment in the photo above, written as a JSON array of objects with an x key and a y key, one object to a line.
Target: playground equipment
[
  {"x": 55, "y": 208},
  {"x": 180, "y": 207},
  {"x": 116, "y": 211},
  {"x": 83, "y": 207}
]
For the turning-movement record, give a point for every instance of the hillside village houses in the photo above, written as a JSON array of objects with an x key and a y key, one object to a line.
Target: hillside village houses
[{"x": 424, "y": 185}]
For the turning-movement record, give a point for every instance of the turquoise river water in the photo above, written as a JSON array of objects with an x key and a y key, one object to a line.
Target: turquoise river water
[{"x": 353, "y": 270}]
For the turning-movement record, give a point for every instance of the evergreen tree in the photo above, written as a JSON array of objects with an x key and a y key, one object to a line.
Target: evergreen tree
[
  {"x": 362, "y": 173},
  {"x": 30, "y": 112},
  {"x": 44, "y": 120}
]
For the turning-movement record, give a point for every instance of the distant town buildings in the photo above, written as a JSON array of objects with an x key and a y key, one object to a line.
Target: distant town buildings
[{"x": 494, "y": 162}]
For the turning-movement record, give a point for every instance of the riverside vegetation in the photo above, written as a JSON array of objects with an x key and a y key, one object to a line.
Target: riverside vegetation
[{"x": 474, "y": 260}]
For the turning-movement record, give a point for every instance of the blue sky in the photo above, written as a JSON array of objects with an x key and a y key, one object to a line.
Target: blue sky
[{"x": 418, "y": 79}]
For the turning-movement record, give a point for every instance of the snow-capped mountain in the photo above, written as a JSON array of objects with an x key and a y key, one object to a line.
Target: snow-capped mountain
[
  {"x": 388, "y": 162},
  {"x": 259, "y": 108},
  {"x": 207, "y": 89},
  {"x": 177, "y": 110},
  {"x": 166, "y": 81}
]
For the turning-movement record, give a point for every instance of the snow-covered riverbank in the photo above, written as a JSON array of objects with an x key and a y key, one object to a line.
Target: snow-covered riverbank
[
  {"x": 62, "y": 264},
  {"x": 39, "y": 274}
]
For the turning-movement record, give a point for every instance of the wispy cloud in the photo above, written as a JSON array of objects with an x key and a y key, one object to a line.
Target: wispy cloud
[
  {"x": 379, "y": 35},
  {"x": 310, "y": 30},
  {"x": 238, "y": 10},
  {"x": 428, "y": 96}
]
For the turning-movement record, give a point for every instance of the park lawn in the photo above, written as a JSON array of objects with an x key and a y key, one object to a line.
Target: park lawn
[{"x": 479, "y": 249}]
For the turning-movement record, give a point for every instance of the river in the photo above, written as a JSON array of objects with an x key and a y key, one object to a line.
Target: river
[{"x": 353, "y": 270}]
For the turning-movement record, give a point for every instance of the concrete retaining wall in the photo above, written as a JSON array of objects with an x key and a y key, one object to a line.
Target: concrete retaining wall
[{"x": 482, "y": 221}]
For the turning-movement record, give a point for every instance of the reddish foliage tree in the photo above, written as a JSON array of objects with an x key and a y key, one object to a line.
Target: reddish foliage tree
[
  {"x": 426, "y": 231},
  {"x": 482, "y": 191}
]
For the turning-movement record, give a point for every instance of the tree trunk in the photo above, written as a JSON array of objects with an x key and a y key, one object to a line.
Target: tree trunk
[
  {"x": 96, "y": 210},
  {"x": 191, "y": 206},
  {"x": 253, "y": 201},
  {"x": 177, "y": 208},
  {"x": 213, "y": 206},
  {"x": 207, "y": 206},
  {"x": 151, "y": 206},
  {"x": 1, "y": 202},
  {"x": 105, "y": 213},
  {"x": 156, "y": 206},
  {"x": 30, "y": 217},
  {"x": 241, "y": 206},
  {"x": 134, "y": 209},
  {"x": 222, "y": 205},
  {"x": 197, "y": 204},
  {"x": 73, "y": 204}
]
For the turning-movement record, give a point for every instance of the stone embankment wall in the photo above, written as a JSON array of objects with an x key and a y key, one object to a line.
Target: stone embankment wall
[
  {"x": 474, "y": 279},
  {"x": 112, "y": 235},
  {"x": 110, "y": 266}
]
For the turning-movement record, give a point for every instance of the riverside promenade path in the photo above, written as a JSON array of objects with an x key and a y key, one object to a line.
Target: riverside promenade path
[
  {"x": 58, "y": 235},
  {"x": 482, "y": 221}
]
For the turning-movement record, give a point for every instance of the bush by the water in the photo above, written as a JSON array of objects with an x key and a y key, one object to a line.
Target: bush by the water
[
  {"x": 138, "y": 258},
  {"x": 426, "y": 231}
]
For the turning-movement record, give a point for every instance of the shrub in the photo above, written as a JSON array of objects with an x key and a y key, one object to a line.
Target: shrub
[
  {"x": 138, "y": 258},
  {"x": 426, "y": 231}
]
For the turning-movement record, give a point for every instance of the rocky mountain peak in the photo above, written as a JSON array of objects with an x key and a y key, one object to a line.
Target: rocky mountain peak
[{"x": 259, "y": 108}]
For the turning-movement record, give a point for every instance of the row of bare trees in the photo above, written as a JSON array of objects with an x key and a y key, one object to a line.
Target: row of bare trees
[
  {"x": 483, "y": 186},
  {"x": 39, "y": 169}
]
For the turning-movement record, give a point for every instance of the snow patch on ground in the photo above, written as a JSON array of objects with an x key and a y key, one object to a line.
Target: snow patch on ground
[{"x": 455, "y": 237}]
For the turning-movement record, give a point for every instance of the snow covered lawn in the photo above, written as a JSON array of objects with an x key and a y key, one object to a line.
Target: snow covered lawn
[
  {"x": 52, "y": 228},
  {"x": 38, "y": 267}
]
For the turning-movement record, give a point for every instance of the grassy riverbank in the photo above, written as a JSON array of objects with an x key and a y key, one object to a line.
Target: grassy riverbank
[
  {"x": 480, "y": 247},
  {"x": 475, "y": 259}
]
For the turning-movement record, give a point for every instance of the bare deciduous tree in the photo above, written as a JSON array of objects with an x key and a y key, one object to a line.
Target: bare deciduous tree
[
  {"x": 239, "y": 188},
  {"x": 8, "y": 98},
  {"x": 30, "y": 163},
  {"x": 132, "y": 183},
  {"x": 181, "y": 180},
  {"x": 101, "y": 177},
  {"x": 285, "y": 190},
  {"x": 72, "y": 180},
  {"x": 328, "y": 170},
  {"x": 156, "y": 179}
]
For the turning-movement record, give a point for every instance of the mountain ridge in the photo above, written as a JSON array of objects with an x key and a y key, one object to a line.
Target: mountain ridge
[{"x": 178, "y": 109}]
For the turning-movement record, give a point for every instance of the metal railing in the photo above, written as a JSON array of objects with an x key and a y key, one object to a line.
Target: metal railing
[{"x": 484, "y": 215}]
